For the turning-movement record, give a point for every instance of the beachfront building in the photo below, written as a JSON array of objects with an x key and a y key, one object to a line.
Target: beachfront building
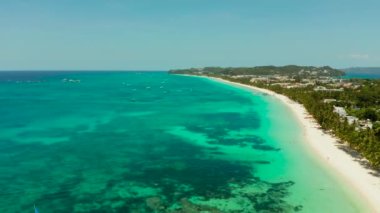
[
  {"x": 329, "y": 100},
  {"x": 352, "y": 120},
  {"x": 324, "y": 89},
  {"x": 340, "y": 111},
  {"x": 259, "y": 79}
]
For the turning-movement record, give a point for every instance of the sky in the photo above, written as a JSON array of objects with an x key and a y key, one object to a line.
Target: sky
[{"x": 169, "y": 34}]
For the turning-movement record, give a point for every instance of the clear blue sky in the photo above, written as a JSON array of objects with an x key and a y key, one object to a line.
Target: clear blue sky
[{"x": 164, "y": 34}]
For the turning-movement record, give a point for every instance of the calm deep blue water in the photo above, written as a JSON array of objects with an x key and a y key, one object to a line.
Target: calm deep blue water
[{"x": 154, "y": 142}]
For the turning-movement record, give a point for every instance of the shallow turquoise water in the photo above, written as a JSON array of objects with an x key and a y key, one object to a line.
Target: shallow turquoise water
[{"x": 154, "y": 142}]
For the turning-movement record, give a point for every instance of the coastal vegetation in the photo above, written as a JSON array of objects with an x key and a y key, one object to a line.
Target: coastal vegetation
[
  {"x": 347, "y": 108},
  {"x": 290, "y": 70}
]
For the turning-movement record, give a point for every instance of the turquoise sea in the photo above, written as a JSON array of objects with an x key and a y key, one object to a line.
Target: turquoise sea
[
  {"x": 350, "y": 75},
  {"x": 154, "y": 142}
]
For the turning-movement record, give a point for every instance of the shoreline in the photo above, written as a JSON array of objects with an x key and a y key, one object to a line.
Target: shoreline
[{"x": 327, "y": 151}]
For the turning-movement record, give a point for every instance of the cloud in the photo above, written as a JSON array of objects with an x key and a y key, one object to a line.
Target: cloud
[{"x": 359, "y": 56}]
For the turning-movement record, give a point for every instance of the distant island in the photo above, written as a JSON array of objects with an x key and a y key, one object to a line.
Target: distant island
[{"x": 347, "y": 108}]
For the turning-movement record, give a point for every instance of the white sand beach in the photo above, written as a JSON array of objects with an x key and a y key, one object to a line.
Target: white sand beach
[{"x": 326, "y": 147}]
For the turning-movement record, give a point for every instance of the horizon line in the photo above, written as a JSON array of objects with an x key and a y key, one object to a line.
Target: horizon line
[
  {"x": 81, "y": 70},
  {"x": 158, "y": 70}
]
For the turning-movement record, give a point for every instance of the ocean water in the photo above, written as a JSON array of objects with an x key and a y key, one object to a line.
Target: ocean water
[
  {"x": 154, "y": 142},
  {"x": 350, "y": 75}
]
